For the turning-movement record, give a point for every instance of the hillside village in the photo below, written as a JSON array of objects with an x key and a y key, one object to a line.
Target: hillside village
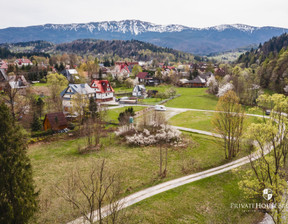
[
  {"x": 97, "y": 81},
  {"x": 119, "y": 140}
]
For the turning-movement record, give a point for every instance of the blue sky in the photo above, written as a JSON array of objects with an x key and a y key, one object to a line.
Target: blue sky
[{"x": 200, "y": 13}]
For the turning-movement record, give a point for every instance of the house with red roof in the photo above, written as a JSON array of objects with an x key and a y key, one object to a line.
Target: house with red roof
[
  {"x": 142, "y": 76},
  {"x": 3, "y": 65},
  {"x": 23, "y": 62},
  {"x": 104, "y": 91}
]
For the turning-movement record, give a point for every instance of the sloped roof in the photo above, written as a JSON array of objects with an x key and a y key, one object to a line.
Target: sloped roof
[
  {"x": 23, "y": 60},
  {"x": 3, "y": 75},
  {"x": 79, "y": 88},
  {"x": 184, "y": 81},
  {"x": 206, "y": 75},
  {"x": 17, "y": 82},
  {"x": 198, "y": 79},
  {"x": 56, "y": 120},
  {"x": 3, "y": 64},
  {"x": 72, "y": 71},
  {"x": 102, "y": 86},
  {"x": 142, "y": 75}
]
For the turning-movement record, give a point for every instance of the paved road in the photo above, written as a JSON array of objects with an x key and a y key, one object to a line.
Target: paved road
[{"x": 151, "y": 191}]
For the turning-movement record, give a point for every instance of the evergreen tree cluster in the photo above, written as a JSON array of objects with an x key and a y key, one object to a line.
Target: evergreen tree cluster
[
  {"x": 6, "y": 53},
  {"x": 18, "y": 199},
  {"x": 124, "y": 116},
  {"x": 269, "y": 49}
]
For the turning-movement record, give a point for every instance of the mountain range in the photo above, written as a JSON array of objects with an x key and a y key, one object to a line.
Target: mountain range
[{"x": 202, "y": 41}]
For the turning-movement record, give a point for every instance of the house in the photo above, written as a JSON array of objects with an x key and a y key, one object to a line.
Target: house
[
  {"x": 142, "y": 76},
  {"x": 198, "y": 82},
  {"x": 23, "y": 62},
  {"x": 70, "y": 92},
  {"x": 128, "y": 66},
  {"x": 139, "y": 91},
  {"x": 104, "y": 91},
  {"x": 3, "y": 65},
  {"x": 206, "y": 75},
  {"x": 55, "y": 121},
  {"x": 16, "y": 82},
  {"x": 70, "y": 74},
  {"x": 184, "y": 82}
]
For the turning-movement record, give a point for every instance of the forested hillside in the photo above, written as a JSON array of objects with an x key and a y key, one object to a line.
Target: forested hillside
[
  {"x": 270, "y": 61},
  {"x": 133, "y": 49}
]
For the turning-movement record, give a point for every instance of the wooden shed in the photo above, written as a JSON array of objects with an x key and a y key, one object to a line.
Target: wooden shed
[{"x": 55, "y": 121}]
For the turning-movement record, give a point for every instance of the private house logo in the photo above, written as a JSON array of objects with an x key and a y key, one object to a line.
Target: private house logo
[{"x": 267, "y": 194}]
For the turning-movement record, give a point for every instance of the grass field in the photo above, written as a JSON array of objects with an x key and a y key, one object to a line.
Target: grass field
[
  {"x": 202, "y": 120},
  {"x": 205, "y": 201},
  {"x": 53, "y": 163},
  {"x": 196, "y": 98}
]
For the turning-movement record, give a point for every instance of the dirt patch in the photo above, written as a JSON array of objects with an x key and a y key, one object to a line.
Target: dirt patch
[{"x": 41, "y": 90}]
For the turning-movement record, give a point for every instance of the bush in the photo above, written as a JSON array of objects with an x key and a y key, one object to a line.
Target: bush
[
  {"x": 41, "y": 133},
  {"x": 124, "y": 116}
]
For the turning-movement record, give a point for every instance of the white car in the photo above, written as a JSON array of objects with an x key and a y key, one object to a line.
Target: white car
[{"x": 160, "y": 107}]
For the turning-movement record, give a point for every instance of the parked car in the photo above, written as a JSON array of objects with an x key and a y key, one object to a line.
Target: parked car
[
  {"x": 267, "y": 112},
  {"x": 160, "y": 108}
]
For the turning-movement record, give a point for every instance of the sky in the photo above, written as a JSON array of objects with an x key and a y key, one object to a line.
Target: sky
[{"x": 200, "y": 13}]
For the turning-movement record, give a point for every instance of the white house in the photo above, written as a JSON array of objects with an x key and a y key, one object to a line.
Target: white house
[
  {"x": 23, "y": 62},
  {"x": 139, "y": 90},
  {"x": 67, "y": 94},
  {"x": 104, "y": 91}
]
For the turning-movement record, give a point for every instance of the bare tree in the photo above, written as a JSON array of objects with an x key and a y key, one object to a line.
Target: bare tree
[{"x": 89, "y": 193}]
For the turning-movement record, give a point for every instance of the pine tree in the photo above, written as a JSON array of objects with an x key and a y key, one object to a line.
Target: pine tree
[
  {"x": 40, "y": 105},
  {"x": 93, "y": 107},
  {"x": 18, "y": 200},
  {"x": 36, "y": 123}
]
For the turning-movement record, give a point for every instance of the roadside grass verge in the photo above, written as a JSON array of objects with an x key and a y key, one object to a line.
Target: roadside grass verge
[{"x": 205, "y": 201}]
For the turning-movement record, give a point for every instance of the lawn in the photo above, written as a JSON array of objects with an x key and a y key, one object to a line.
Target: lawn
[
  {"x": 138, "y": 166},
  {"x": 40, "y": 84},
  {"x": 195, "y": 98},
  {"x": 202, "y": 120},
  {"x": 205, "y": 201}
]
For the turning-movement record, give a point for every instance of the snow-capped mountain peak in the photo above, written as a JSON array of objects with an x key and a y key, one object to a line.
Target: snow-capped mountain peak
[
  {"x": 135, "y": 27},
  {"x": 240, "y": 27}
]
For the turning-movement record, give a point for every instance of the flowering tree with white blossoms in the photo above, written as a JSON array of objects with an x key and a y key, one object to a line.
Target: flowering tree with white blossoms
[
  {"x": 157, "y": 134},
  {"x": 224, "y": 89},
  {"x": 212, "y": 85},
  {"x": 286, "y": 89}
]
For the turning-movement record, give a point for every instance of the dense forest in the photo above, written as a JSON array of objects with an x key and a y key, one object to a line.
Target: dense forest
[
  {"x": 134, "y": 49},
  {"x": 5, "y": 53},
  {"x": 270, "y": 62}
]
